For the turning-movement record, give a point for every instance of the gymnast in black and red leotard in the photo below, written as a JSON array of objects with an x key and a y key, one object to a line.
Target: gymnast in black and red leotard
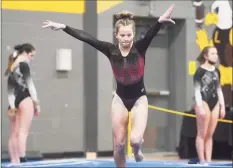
[{"x": 127, "y": 60}]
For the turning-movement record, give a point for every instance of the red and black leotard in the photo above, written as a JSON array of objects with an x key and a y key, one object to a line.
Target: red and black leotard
[{"x": 129, "y": 70}]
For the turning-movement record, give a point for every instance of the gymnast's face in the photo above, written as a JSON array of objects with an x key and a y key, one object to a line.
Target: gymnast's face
[
  {"x": 31, "y": 54},
  {"x": 212, "y": 55},
  {"x": 125, "y": 36}
]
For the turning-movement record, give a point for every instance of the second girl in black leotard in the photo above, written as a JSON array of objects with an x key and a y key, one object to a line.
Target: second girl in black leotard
[
  {"x": 22, "y": 98},
  {"x": 210, "y": 105},
  {"x": 127, "y": 60}
]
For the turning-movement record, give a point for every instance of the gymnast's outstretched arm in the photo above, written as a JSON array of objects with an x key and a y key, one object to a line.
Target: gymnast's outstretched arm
[
  {"x": 87, "y": 38},
  {"x": 81, "y": 35},
  {"x": 144, "y": 43}
]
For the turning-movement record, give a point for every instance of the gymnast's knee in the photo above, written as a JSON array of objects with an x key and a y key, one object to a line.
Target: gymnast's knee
[{"x": 135, "y": 141}]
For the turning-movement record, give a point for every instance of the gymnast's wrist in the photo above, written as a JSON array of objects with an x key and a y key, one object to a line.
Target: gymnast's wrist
[
  {"x": 36, "y": 102},
  {"x": 63, "y": 26},
  {"x": 159, "y": 20},
  {"x": 13, "y": 109},
  {"x": 200, "y": 107},
  {"x": 222, "y": 105},
  {"x": 12, "y": 106}
]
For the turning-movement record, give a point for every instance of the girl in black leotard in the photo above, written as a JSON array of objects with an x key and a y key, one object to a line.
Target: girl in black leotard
[
  {"x": 22, "y": 98},
  {"x": 127, "y": 59},
  {"x": 209, "y": 102}
]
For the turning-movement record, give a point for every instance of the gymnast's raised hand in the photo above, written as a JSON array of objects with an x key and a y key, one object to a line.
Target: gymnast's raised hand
[
  {"x": 53, "y": 25},
  {"x": 166, "y": 17}
]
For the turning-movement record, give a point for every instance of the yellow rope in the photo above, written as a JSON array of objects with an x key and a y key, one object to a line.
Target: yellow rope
[
  {"x": 182, "y": 113},
  {"x": 129, "y": 148}
]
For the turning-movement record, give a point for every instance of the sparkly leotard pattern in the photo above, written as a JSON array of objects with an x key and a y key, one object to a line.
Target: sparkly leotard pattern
[{"x": 207, "y": 83}]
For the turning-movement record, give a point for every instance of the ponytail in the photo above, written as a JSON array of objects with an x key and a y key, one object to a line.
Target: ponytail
[{"x": 11, "y": 60}]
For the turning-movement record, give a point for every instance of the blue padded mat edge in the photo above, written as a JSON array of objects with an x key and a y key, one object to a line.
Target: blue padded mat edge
[{"x": 110, "y": 163}]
